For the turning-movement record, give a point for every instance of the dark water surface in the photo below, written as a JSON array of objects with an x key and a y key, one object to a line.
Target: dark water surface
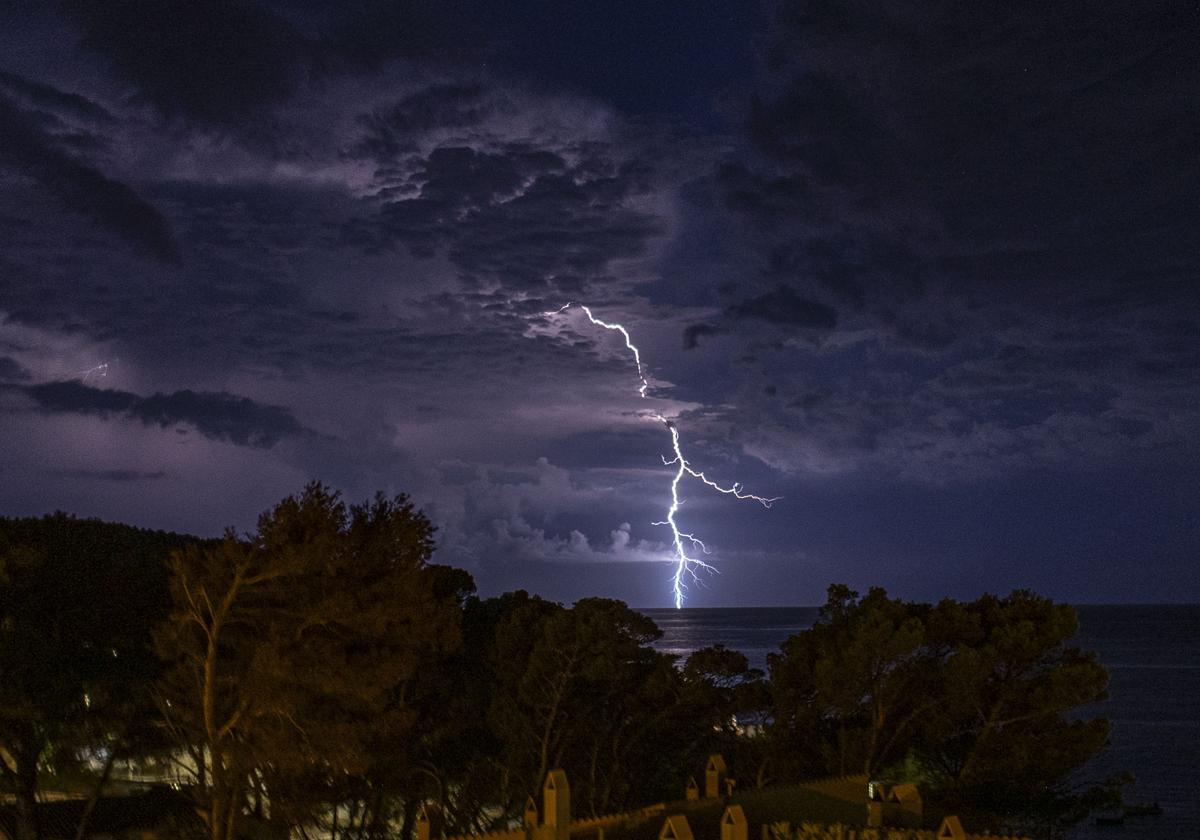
[
  {"x": 755, "y": 631},
  {"x": 1152, "y": 654}
]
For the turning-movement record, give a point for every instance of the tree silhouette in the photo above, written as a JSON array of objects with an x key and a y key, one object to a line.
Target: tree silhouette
[
  {"x": 77, "y": 600},
  {"x": 292, "y": 650},
  {"x": 975, "y": 700}
]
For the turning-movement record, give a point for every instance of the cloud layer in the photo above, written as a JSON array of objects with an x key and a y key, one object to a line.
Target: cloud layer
[{"x": 903, "y": 259}]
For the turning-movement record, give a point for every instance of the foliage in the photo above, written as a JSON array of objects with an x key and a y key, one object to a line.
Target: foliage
[
  {"x": 538, "y": 685},
  {"x": 322, "y": 674},
  {"x": 77, "y": 600},
  {"x": 292, "y": 651},
  {"x": 974, "y": 700}
]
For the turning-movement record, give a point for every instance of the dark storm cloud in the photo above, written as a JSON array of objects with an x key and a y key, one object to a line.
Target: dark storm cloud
[
  {"x": 969, "y": 417},
  {"x": 992, "y": 196},
  {"x": 222, "y": 64},
  {"x": 692, "y": 334},
  {"x": 28, "y": 149},
  {"x": 11, "y": 370},
  {"x": 212, "y": 63},
  {"x": 366, "y": 35},
  {"x": 218, "y": 416},
  {"x": 519, "y": 214},
  {"x": 930, "y": 145},
  {"x": 936, "y": 251},
  {"x": 395, "y": 129},
  {"x": 109, "y": 475},
  {"x": 783, "y": 306},
  {"x": 38, "y": 95}
]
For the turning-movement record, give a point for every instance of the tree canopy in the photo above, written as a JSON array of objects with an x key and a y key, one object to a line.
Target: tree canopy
[
  {"x": 974, "y": 700},
  {"x": 78, "y": 600},
  {"x": 322, "y": 673},
  {"x": 292, "y": 650}
]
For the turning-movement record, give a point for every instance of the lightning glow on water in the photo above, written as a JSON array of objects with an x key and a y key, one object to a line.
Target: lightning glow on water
[{"x": 686, "y": 565}]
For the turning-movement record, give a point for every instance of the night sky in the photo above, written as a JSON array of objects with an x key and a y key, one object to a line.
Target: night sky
[{"x": 928, "y": 271}]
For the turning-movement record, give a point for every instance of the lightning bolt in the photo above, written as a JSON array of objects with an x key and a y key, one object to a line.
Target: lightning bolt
[
  {"x": 100, "y": 371},
  {"x": 637, "y": 354},
  {"x": 686, "y": 565}
]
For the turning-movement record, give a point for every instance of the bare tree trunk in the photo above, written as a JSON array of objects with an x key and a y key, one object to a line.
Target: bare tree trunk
[
  {"x": 841, "y": 748},
  {"x": 376, "y": 814},
  {"x": 216, "y": 811},
  {"x": 592, "y": 777},
  {"x": 26, "y": 793},
  {"x": 973, "y": 756},
  {"x": 225, "y": 799},
  {"x": 226, "y": 787},
  {"x": 410, "y": 813},
  {"x": 85, "y": 818},
  {"x": 564, "y": 676},
  {"x": 231, "y": 820}
]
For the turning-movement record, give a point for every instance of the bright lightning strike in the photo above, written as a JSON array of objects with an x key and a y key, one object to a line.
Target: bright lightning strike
[
  {"x": 686, "y": 565},
  {"x": 637, "y": 356},
  {"x": 99, "y": 371}
]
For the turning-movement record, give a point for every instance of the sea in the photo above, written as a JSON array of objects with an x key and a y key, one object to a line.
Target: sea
[{"x": 1152, "y": 653}]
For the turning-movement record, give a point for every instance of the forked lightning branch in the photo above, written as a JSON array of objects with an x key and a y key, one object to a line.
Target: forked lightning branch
[{"x": 687, "y": 566}]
